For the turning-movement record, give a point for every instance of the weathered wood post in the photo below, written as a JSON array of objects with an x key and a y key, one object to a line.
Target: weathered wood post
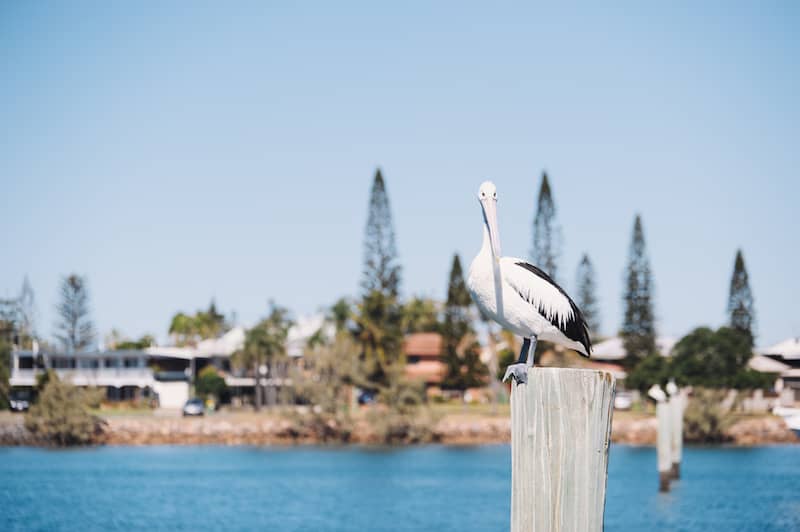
[
  {"x": 676, "y": 405},
  {"x": 560, "y": 434},
  {"x": 663, "y": 438}
]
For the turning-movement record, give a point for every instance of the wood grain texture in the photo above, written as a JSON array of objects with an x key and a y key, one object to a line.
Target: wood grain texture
[
  {"x": 664, "y": 439},
  {"x": 560, "y": 435},
  {"x": 677, "y": 406}
]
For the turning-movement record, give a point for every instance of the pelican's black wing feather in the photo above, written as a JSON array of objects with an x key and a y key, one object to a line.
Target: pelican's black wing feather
[{"x": 574, "y": 327}]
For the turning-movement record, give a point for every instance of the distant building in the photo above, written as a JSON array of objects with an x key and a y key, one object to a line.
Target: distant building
[
  {"x": 782, "y": 358},
  {"x": 160, "y": 372},
  {"x": 612, "y": 350},
  {"x": 423, "y": 359}
]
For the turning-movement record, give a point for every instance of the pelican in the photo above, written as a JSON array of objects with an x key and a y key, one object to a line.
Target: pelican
[{"x": 521, "y": 297}]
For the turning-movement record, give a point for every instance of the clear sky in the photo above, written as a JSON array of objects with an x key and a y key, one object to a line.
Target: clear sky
[{"x": 176, "y": 154}]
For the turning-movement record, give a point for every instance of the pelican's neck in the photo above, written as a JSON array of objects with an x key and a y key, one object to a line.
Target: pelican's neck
[
  {"x": 487, "y": 254},
  {"x": 486, "y": 247}
]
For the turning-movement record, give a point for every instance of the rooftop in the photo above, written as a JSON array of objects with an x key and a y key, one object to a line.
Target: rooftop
[{"x": 423, "y": 344}]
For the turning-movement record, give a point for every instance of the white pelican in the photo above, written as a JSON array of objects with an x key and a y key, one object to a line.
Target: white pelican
[{"x": 521, "y": 297}]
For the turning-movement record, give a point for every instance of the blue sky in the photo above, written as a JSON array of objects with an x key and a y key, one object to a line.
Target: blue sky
[{"x": 173, "y": 155}]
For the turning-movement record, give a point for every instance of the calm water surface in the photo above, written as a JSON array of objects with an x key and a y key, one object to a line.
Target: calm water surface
[{"x": 433, "y": 488}]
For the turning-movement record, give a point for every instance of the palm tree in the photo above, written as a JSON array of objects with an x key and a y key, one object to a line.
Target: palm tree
[{"x": 265, "y": 346}]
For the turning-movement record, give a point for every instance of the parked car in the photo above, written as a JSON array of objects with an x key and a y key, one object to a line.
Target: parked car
[
  {"x": 19, "y": 401},
  {"x": 623, "y": 400},
  {"x": 193, "y": 407}
]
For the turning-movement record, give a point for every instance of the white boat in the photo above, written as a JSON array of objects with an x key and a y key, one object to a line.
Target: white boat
[{"x": 791, "y": 416}]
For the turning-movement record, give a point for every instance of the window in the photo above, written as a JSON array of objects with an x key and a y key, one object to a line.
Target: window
[
  {"x": 63, "y": 363},
  {"x": 88, "y": 363},
  {"x": 131, "y": 362}
]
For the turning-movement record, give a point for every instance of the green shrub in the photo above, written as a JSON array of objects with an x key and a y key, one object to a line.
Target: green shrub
[
  {"x": 706, "y": 420},
  {"x": 211, "y": 383},
  {"x": 393, "y": 427},
  {"x": 652, "y": 369},
  {"x": 60, "y": 416}
]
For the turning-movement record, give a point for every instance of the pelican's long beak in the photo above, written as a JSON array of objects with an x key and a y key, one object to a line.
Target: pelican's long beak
[{"x": 490, "y": 217}]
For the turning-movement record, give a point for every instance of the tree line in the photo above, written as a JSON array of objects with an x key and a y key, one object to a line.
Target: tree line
[{"x": 378, "y": 319}]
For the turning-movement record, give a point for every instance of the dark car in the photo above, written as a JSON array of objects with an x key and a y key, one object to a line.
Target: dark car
[{"x": 19, "y": 400}]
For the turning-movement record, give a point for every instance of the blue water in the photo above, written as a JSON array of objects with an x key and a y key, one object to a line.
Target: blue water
[{"x": 432, "y": 488}]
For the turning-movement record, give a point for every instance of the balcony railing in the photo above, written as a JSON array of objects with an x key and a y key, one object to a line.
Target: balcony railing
[{"x": 88, "y": 376}]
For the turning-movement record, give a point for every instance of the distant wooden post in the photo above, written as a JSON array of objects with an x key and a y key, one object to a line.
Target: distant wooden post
[
  {"x": 663, "y": 445},
  {"x": 560, "y": 434},
  {"x": 676, "y": 407}
]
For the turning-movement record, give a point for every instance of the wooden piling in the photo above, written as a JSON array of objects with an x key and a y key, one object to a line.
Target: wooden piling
[
  {"x": 676, "y": 402},
  {"x": 560, "y": 435},
  {"x": 663, "y": 445}
]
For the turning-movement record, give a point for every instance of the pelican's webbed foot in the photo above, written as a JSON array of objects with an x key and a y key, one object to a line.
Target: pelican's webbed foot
[{"x": 518, "y": 372}]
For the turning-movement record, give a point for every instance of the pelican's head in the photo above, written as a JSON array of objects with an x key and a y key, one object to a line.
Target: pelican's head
[{"x": 487, "y": 196}]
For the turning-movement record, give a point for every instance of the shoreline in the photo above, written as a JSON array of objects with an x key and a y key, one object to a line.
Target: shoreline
[{"x": 232, "y": 429}]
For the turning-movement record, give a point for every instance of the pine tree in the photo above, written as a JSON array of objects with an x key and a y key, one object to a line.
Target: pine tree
[
  {"x": 420, "y": 314},
  {"x": 638, "y": 327},
  {"x": 461, "y": 353},
  {"x": 740, "y": 300},
  {"x": 546, "y": 232},
  {"x": 27, "y": 314},
  {"x": 381, "y": 265},
  {"x": 76, "y": 328},
  {"x": 379, "y": 314},
  {"x": 587, "y": 298}
]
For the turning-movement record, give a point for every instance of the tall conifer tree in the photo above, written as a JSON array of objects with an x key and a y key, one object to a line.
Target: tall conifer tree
[
  {"x": 461, "y": 354},
  {"x": 638, "y": 327},
  {"x": 741, "y": 306},
  {"x": 586, "y": 296},
  {"x": 546, "y": 232},
  {"x": 76, "y": 330},
  {"x": 381, "y": 265},
  {"x": 379, "y": 317}
]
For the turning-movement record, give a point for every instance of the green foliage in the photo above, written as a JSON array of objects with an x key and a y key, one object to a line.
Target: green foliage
[
  {"x": 142, "y": 343},
  {"x": 546, "y": 232},
  {"x": 5, "y": 355},
  {"x": 638, "y": 327},
  {"x": 324, "y": 383},
  {"x": 740, "y": 300},
  {"x": 26, "y": 315},
  {"x": 704, "y": 358},
  {"x": 401, "y": 416},
  {"x": 706, "y": 420},
  {"x": 470, "y": 371},
  {"x": 60, "y": 416},
  {"x": 586, "y": 295},
  {"x": 652, "y": 369},
  {"x": 379, "y": 332},
  {"x": 76, "y": 330},
  {"x": 266, "y": 342},
  {"x": 379, "y": 317},
  {"x": 211, "y": 384},
  {"x": 420, "y": 315},
  {"x": 340, "y": 313},
  {"x": 714, "y": 359},
  {"x": 461, "y": 353},
  {"x": 381, "y": 266},
  {"x": 188, "y": 330},
  {"x": 396, "y": 427},
  {"x": 750, "y": 379}
]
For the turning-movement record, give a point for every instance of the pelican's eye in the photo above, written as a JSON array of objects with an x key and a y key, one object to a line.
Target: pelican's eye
[{"x": 483, "y": 194}]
